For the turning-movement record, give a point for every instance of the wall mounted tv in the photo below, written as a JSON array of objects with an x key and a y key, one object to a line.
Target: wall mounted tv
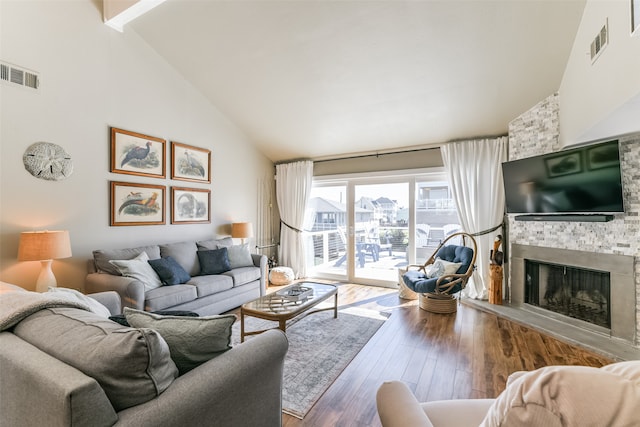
[{"x": 584, "y": 180}]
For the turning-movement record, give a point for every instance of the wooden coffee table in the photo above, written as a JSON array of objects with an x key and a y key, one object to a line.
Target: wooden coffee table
[{"x": 280, "y": 309}]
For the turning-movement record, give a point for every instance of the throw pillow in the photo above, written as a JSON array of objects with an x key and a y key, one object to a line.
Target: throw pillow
[
  {"x": 73, "y": 295},
  {"x": 239, "y": 256},
  {"x": 449, "y": 267},
  {"x": 434, "y": 270},
  {"x": 192, "y": 340},
  {"x": 169, "y": 271},
  {"x": 139, "y": 269},
  {"x": 214, "y": 261}
]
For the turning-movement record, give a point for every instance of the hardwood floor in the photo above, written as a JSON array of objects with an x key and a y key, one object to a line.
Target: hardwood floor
[{"x": 469, "y": 354}]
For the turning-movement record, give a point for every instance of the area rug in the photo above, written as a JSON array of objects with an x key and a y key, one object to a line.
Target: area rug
[{"x": 320, "y": 348}]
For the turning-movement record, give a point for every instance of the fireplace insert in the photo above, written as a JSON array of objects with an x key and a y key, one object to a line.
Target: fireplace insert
[{"x": 579, "y": 293}]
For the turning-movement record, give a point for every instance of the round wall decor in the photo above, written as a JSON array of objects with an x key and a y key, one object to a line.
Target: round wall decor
[{"x": 48, "y": 161}]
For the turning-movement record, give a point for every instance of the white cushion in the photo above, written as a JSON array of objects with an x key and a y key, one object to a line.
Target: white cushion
[
  {"x": 449, "y": 267},
  {"x": 138, "y": 268}
]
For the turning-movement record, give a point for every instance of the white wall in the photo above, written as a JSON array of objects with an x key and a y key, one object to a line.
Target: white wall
[
  {"x": 601, "y": 99},
  {"x": 93, "y": 77}
]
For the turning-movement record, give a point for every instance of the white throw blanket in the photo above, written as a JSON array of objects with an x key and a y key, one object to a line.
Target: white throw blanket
[{"x": 15, "y": 306}]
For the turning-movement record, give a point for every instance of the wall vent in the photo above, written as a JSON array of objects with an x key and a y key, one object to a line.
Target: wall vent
[
  {"x": 600, "y": 42},
  {"x": 14, "y": 75}
]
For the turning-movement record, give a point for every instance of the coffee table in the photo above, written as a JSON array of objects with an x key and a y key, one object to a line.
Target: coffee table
[{"x": 280, "y": 309}]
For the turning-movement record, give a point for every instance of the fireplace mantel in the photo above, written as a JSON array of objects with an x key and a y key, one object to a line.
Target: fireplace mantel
[{"x": 621, "y": 268}]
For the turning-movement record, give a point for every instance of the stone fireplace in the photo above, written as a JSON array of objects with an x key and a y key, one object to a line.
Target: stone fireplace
[
  {"x": 609, "y": 247},
  {"x": 585, "y": 289}
]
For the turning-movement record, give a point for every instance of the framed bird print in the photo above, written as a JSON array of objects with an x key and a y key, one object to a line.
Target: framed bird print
[
  {"x": 190, "y": 163},
  {"x": 137, "y": 154},
  {"x": 190, "y": 205},
  {"x": 137, "y": 204}
]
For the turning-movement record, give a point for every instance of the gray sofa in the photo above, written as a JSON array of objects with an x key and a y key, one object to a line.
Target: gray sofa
[
  {"x": 203, "y": 294},
  {"x": 240, "y": 387}
]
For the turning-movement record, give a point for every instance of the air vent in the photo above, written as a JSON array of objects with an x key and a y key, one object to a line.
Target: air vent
[
  {"x": 18, "y": 76},
  {"x": 600, "y": 42}
]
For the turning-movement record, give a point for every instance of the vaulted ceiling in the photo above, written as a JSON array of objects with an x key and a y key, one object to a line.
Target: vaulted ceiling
[{"x": 316, "y": 79}]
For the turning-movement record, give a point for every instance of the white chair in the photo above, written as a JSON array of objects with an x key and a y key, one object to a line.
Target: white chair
[{"x": 553, "y": 396}]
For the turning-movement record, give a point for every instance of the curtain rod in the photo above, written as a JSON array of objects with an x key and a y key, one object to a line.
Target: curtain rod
[{"x": 360, "y": 156}]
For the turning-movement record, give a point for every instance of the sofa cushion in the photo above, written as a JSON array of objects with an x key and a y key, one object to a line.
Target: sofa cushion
[
  {"x": 102, "y": 257},
  {"x": 243, "y": 275},
  {"x": 169, "y": 296},
  {"x": 185, "y": 254},
  {"x": 215, "y": 243},
  {"x": 211, "y": 284},
  {"x": 214, "y": 261},
  {"x": 138, "y": 268},
  {"x": 169, "y": 271},
  {"x": 192, "y": 340},
  {"x": 239, "y": 256},
  {"x": 133, "y": 366}
]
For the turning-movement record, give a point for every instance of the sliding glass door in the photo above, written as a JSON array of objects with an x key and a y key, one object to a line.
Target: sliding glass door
[
  {"x": 381, "y": 214},
  {"x": 363, "y": 229}
]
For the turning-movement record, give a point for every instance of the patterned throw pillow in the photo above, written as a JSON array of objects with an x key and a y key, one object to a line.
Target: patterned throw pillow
[{"x": 435, "y": 270}]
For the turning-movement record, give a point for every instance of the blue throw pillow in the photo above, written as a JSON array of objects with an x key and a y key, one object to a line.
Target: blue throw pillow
[
  {"x": 214, "y": 261},
  {"x": 169, "y": 271}
]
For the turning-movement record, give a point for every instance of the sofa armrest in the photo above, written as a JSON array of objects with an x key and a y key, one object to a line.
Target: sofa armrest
[
  {"x": 131, "y": 291},
  {"x": 242, "y": 387},
  {"x": 38, "y": 389},
  {"x": 110, "y": 299},
  {"x": 398, "y": 407},
  {"x": 262, "y": 262}
]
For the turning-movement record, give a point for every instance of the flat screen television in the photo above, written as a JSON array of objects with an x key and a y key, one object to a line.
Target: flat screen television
[{"x": 584, "y": 180}]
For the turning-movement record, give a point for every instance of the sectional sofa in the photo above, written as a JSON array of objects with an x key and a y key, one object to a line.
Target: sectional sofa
[
  {"x": 214, "y": 282},
  {"x": 62, "y": 364}
]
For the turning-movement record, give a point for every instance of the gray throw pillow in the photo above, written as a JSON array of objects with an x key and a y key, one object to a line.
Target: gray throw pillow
[
  {"x": 169, "y": 271},
  {"x": 192, "y": 340},
  {"x": 215, "y": 261},
  {"x": 239, "y": 256}
]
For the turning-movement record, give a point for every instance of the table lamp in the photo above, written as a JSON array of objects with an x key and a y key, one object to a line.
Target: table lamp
[
  {"x": 44, "y": 246},
  {"x": 241, "y": 230}
]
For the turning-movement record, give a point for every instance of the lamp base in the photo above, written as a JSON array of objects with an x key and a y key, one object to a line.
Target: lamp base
[{"x": 46, "y": 277}]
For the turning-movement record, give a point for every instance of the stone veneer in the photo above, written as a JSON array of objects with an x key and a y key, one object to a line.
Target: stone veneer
[{"x": 537, "y": 132}]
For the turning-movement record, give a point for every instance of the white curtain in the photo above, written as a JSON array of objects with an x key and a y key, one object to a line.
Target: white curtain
[
  {"x": 475, "y": 174},
  {"x": 293, "y": 187}
]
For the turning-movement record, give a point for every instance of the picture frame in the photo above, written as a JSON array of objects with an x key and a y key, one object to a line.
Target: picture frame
[
  {"x": 602, "y": 157},
  {"x": 563, "y": 164},
  {"x": 137, "y": 204},
  {"x": 134, "y": 153},
  {"x": 190, "y": 205},
  {"x": 189, "y": 163},
  {"x": 635, "y": 16}
]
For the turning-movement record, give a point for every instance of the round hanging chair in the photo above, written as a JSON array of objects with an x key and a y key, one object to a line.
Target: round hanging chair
[{"x": 444, "y": 274}]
